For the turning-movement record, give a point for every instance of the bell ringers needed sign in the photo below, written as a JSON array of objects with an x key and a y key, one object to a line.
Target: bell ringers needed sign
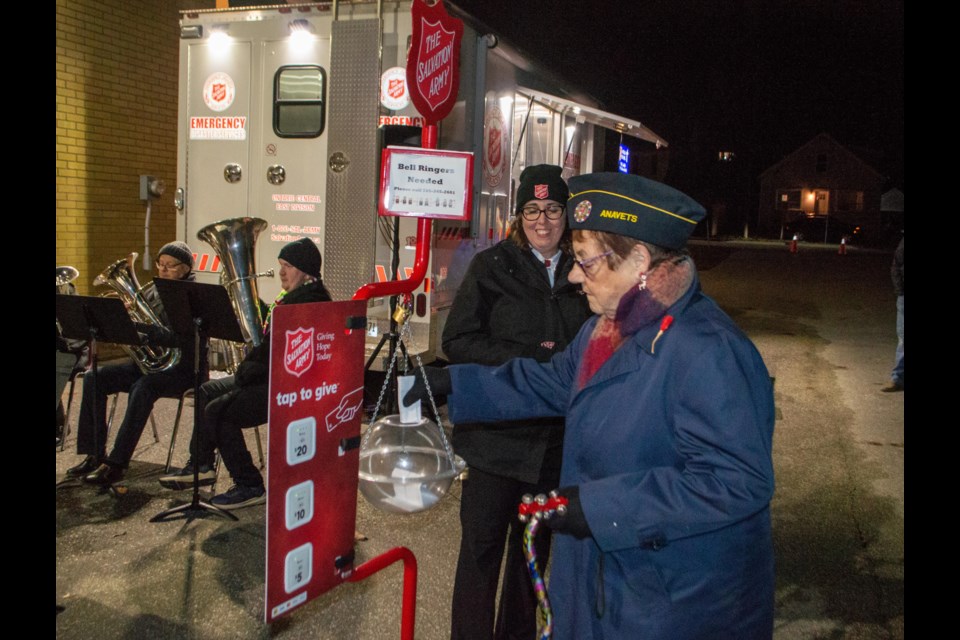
[{"x": 426, "y": 183}]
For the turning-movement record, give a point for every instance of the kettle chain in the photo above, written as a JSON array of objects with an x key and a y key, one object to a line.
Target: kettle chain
[{"x": 405, "y": 333}]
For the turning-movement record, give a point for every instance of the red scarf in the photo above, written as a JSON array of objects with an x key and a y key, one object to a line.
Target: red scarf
[
  {"x": 604, "y": 341},
  {"x": 642, "y": 305}
]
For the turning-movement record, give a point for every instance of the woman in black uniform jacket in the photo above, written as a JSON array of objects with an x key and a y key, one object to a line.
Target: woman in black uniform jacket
[{"x": 515, "y": 301}]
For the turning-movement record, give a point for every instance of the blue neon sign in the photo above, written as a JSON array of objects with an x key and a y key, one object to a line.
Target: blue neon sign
[{"x": 624, "y": 163}]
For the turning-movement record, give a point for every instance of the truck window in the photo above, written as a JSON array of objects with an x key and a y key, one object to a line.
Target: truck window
[{"x": 298, "y": 100}]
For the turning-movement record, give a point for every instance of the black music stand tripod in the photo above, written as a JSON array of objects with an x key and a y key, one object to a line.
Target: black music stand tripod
[
  {"x": 205, "y": 311},
  {"x": 96, "y": 319}
]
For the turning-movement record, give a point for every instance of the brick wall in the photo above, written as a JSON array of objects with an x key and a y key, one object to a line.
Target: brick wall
[{"x": 117, "y": 76}]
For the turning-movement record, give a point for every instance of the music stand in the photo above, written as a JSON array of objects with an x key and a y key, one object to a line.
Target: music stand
[
  {"x": 95, "y": 318},
  {"x": 205, "y": 311}
]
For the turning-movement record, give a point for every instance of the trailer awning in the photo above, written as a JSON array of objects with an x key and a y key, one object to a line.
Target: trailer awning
[{"x": 594, "y": 116}]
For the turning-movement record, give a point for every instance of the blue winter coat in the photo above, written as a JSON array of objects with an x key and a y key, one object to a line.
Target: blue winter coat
[{"x": 670, "y": 445}]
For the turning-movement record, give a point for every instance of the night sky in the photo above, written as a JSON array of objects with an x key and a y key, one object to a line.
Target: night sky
[{"x": 756, "y": 77}]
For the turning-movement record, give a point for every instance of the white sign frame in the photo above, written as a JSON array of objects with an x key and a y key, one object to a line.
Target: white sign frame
[{"x": 426, "y": 183}]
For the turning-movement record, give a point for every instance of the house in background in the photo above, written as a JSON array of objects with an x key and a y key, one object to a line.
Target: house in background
[
  {"x": 822, "y": 191},
  {"x": 891, "y": 209}
]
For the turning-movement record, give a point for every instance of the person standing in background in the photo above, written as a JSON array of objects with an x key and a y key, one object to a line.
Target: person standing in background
[{"x": 896, "y": 273}]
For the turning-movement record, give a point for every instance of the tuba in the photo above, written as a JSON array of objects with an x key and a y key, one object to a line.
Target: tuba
[
  {"x": 234, "y": 241},
  {"x": 122, "y": 278}
]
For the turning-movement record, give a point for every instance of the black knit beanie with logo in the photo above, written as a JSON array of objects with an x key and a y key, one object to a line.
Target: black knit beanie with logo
[{"x": 541, "y": 182}]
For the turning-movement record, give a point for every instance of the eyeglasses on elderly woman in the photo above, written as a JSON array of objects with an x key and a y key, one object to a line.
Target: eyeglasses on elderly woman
[{"x": 589, "y": 266}]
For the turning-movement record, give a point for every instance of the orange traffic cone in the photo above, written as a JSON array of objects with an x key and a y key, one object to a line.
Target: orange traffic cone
[
  {"x": 793, "y": 244},
  {"x": 843, "y": 247}
]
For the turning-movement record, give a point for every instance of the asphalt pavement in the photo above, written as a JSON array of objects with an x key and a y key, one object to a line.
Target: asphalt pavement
[{"x": 825, "y": 325}]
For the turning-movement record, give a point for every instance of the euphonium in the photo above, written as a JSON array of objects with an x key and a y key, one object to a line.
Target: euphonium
[
  {"x": 122, "y": 278},
  {"x": 66, "y": 275},
  {"x": 234, "y": 241}
]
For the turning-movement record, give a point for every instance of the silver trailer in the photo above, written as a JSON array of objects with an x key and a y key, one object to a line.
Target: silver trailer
[{"x": 284, "y": 110}]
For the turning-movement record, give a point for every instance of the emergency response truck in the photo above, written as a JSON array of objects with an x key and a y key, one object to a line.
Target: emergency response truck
[{"x": 284, "y": 111}]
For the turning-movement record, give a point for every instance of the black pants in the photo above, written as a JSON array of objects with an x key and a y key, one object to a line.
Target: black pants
[
  {"x": 488, "y": 516},
  {"x": 143, "y": 390},
  {"x": 66, "y": 362},
  {"x": 226, "y": 410}
]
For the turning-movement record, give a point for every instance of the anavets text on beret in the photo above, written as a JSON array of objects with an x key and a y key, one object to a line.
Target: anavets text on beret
[{"x": 633, "y": 206}]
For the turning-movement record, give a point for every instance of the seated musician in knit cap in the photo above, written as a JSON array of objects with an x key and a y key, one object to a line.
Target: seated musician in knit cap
[
  {"x": 230, "y": 404},
  {"x": 174, "y": 262}
]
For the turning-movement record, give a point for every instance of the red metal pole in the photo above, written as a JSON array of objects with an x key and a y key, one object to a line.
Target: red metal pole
[
  {"x": 394, "y": 287},
  {"x": 429, "y": 136},
  {"x": 409, "y": 602},
  {"x": 420, "y": 261},
  {"x": 422, "y": 256}
]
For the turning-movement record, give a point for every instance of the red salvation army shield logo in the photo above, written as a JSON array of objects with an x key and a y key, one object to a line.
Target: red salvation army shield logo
[
  {"x": 541, "y": 191},
  {"x": 298, "y": 351},
  {"x": 493, "y": 158},
  {"x": 495, "y": 151},
  {"x": 393, "y": 89},
  {"x": 433, "y": 66},
  {"x": 219, "y": 91},
  {"x": 435, "y": 69}
]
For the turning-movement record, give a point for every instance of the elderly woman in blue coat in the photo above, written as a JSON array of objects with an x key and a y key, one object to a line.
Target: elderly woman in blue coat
[{"x": 667, "y": 452}]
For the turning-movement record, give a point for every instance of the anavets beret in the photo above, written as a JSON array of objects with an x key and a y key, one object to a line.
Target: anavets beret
[
  {"x": 633, "y": 206},
  {"x": 178, "y": 250},
  {"x": 304, "y": 255},
  {"x": 541, "y": 182}
]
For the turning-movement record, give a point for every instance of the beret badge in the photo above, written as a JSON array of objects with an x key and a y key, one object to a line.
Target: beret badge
[{"x": 582, "y": 212}]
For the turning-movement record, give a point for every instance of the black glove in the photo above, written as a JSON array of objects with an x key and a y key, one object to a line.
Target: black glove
[
  {"x": 572, "y": 520},
  {"x": 249, "y": 373},
  {"x": 151, "y": 333},
  {"x": 545, "y": 350},
  {"x": 83, "y": 359},
  {"x": 439, "y": 380}
]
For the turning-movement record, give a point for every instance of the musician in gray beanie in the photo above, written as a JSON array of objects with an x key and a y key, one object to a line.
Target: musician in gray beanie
[
  {"x": 143, "y": 386},
  {"x": 178, "y": 250}
]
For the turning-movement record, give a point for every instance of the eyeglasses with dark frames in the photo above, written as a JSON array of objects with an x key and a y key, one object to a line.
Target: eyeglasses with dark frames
[{"x": 532, "y": 212}]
